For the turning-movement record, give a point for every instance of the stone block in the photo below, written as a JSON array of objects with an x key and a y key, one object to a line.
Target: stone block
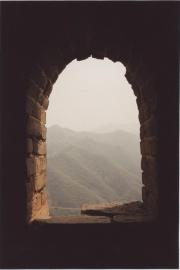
[
  {"x": 136, "y": 218},
  {"x": 150, "y": 199},
  {"x": 149, "y": 166},
  {"x": 35, "y": 165},
  {"x": 43, "y": 213},
  {"x": 144, "y": 194},
  {"x": 147, "y": 108},
  {"x": 34, "y": 91},
  {"x": 31, "y": 166},
  {"x": 112, "y": 209},
  {"x": 49, "y": 88},
  {"x": 39, "y": 76},
  {"x": 142, "y": 78},
  {"x": 149, "y": 128},
  {"x": 74, "y": 220},
  {"x": 34, "y": 109},
  {"x": 149, "y": 146},
  {"x": 149, "y": 180},
  {"x": 149, "y": 90},
  {"x": 52, "y": 72},
  {"x": 44, "y": 101},
  {"x": 35, "y": 128},
  {"x": 44, "y": 196},
  {"x": 144, "y": 112},
  {"x": 29, "y": 146},
  {"x": 40, "y": 181},
  {"x": 36, "y": 203},
  {"x": 29, "y": 191},
  {"x": 43, "y": 116},
  {"x": 29, "y": 105},
  {"x": 35, "y": 208},
  {"x": 39, "y": 147}
]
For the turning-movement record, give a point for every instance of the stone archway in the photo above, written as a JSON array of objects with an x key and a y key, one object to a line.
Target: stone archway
[{"x": 37, "y": 100}]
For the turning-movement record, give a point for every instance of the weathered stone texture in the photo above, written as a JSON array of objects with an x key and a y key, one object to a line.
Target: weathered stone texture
[
  {"x": 42, "y": 213},
  {"x": 39, "y": 147},
  {"x": 44, "y": 196},
  {"x": 149, "y": 165},
  {"x": 49, "y": 88},
  {"x": 40, "y": 181},
  {"x": 52, "y": 73},
  {"x": 39, "y": 76},
  {"x": 29, "y": 190},
  {"x": 148, "y": 179},
  {"x": 35, "y": 165},
  {"x": 133, "y": 218},
  {"x": 36, "y": 202},
  {"x": 112, "y": 209},
  {"x": 33, "y": 108},
  {"x": 44, "y": 100},
  {"x": 34, "y": 91},
  {"x": 145, "y": 112},
  {"x": 150, "y": 199},
  {"x": 149, "y": 146},
  {"x": 149, "y": 128},
  {"x": 75, "y": 220},
  {"x": 29, "y": 146},
  {"x": 35, "y": 128}
]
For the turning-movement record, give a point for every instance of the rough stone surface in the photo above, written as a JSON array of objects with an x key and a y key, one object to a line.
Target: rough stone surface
[
  {"x": 39, "y": 76},
  {"x": 34, "y": 91},
  {"x": 44, "y": 101},
  {"x": 149, "y": 128},
  {"x": 111, "y": 209},
  {"x": 29, "y": 190},
  {"x": 35, "y": 128},
  {"x": 29, "y": 146},
  {"x": 36, "y": 202},
  {"x": 75, "y": 220},
  {"x": 149, "y": 146},
  {"x": 132, "y": 32},
  {"x": 36, "y": 208},
  {"x": 49, "y": 88},
  {"x": 148, "y": 179},
  {"x": 150, "y": 198},
  {"x": 33, "y": 108},
  {"x": 39, "y": 147},
  {"x": 133, "y": 218},
  {"x": 40, "y": 181},
  {"x": 149, "y": 166},
  {"x": 35, "y": 165},
  {"x": 44, "y": 196}
]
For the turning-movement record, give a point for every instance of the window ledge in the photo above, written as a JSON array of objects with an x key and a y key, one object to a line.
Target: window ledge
[
  {"x": 106, "y": 213},
  {"x": 74, "y": 220}
]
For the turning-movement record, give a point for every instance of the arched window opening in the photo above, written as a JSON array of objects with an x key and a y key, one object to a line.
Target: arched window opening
[{"x": 93, "y": 150}]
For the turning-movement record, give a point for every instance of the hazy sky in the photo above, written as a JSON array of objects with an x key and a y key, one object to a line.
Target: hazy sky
[{"x": 93, "y": 95}]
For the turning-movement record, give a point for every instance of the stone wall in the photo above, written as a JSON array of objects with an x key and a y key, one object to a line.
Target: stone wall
[
  {"x": 36, "y": 105},
  {"x": 39, "y": 89},
  {"x": 39, "y": 40}
]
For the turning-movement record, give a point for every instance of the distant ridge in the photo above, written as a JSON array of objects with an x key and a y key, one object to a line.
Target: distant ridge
[{"x": 87, "y": 167}]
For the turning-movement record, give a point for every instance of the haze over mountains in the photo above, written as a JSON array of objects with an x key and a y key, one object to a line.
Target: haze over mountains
[{"x": 86, "y": 167}]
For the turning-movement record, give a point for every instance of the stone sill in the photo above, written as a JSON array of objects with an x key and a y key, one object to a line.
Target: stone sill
[
  {"x": 108, "y": 213},
  {"x": 94, "y": 219}
]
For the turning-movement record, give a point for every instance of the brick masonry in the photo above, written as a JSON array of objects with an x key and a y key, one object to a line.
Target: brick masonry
[{"x": 40, "y": 87}]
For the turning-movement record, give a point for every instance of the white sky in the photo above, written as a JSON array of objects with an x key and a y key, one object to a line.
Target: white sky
[{"x": 93, "y": 95}]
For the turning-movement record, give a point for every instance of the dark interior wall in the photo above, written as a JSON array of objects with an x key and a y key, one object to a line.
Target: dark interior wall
[{"x": 145, "y": 31}]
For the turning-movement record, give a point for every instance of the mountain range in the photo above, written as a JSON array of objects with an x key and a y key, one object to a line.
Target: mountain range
[{"x": 89, "y": 167}]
